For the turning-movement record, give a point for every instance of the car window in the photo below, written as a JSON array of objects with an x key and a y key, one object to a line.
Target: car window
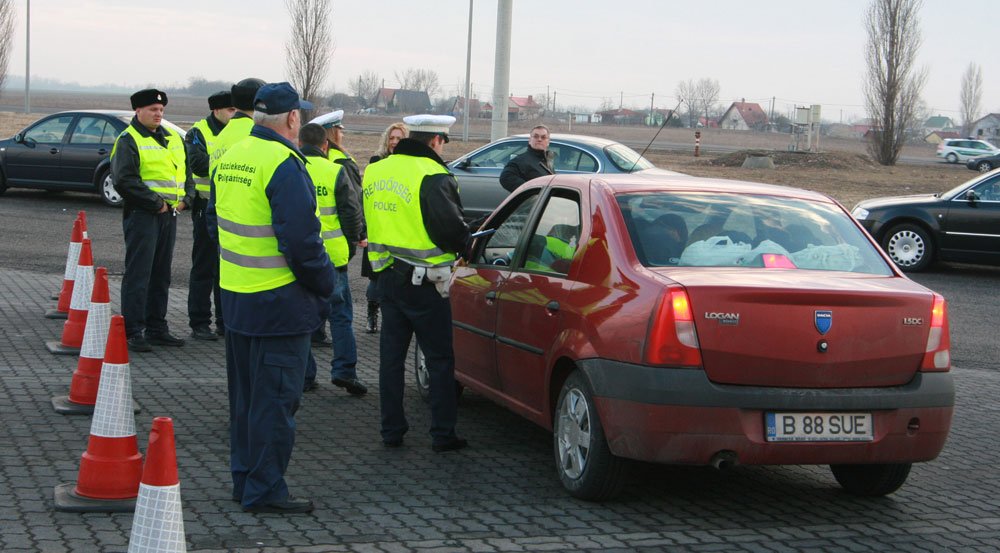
[
  {"x": 988, "y": 190},
  {"x": 553, "y": 243},
  {"x": 50, "y": 131},
  {"x": 93, "y": 130},
  {"x": 626, "y": 159},
  {"x": 568, "y": 158},
  {"x": 500, "y": 247},
  {"x": 498, "y": 155},
  {"x": 736, "y": 230}
]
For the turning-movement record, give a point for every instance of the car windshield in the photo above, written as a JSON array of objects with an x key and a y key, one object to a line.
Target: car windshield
[
  {"x": 625, "y": 158},
  {"x": 958, "y": 189},
  {"x": 173, "y": 128},
  {"x": 736, "y": 230}
]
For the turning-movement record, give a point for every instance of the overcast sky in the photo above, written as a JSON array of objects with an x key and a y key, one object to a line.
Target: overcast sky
[{"x": 800, "y": 52}]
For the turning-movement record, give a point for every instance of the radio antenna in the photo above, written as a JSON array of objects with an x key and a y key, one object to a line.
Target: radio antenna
[{"x": 664, "y": 124}]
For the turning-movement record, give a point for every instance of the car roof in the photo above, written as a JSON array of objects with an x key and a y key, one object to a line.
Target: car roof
[
  {"x": 646, "y": 181},
  {"x": 111, "y": 112},
  {"x": 580, "y": 138}
]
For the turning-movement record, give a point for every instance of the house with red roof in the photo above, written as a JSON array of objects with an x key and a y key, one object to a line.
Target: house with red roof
[
  {"x": 744, "y": 116},
  {"x": 521, "y": 108}
]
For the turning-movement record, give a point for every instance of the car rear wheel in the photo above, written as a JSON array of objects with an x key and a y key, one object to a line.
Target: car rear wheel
[
  {"x": 3, "y": 183},
  {"x": 984, "y": 167},
  {"x": 106, "y": 188},
  {"x": 586, "y": 466},
  {"x": 871, "y": 480},
  {"x": 909, "y": 246},
  {"x": 952, "y": 157}
]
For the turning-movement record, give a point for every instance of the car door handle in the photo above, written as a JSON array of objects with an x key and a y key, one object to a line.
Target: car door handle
[
  {"x": 491, "y": 297},
  {"x": 54, "y": 151},
  {"x": 102, "y": 151},
  {"x": 552, "y": 306}
]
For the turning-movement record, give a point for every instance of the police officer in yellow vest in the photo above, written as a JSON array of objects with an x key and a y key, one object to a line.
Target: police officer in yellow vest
[
  {"x": 415, "y": 229},
  {"x": 203, "y": 283},
  {"x": 276, "y": 280},
  {"x": 341, "y": 221},
  {"x": 333, "y": 124},
  {"x": 241, "y": 122},
  {"x": 149, "y": 171}
]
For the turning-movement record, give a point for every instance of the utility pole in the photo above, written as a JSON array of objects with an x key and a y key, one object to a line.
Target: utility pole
[
  {"x": 501, "y": 69},
  {"x": 468, "y": 80},
  {"x": 554, "y": 101},
  {"x": 652, "y": 122},
  {"x": 548, "y": 99},
  {"x": 621, "y": 99},
  {"x": 27, "y": 56}
]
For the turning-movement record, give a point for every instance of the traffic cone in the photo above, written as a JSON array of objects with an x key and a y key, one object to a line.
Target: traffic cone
[
  {"x": 83, "y": 389},
  {"x": 111, "y": 467},
  {"x": 158, "y": 522},
  {"x": 82, "y": 216},
  {"x": 69, "y": 275},
  {"x": 76, "y": 321}
]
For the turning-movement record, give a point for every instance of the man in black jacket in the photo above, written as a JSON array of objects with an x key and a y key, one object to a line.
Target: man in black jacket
[{"x": 535, "y": 162}]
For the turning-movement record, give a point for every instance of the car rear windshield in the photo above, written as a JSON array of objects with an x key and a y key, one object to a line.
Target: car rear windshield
[
  {"x": 736, "y": 230},
  {"x": 626, "y": 159}
]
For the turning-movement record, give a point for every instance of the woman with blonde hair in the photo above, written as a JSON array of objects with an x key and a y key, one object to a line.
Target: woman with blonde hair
[{"x": 390, "y": 137}]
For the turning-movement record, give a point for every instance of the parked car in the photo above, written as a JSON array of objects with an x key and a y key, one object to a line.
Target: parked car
[
  {"x": 984, "y": 164},
  {"x": 962, "y": 224},
  {"x": 954, "y": 150},
  {"x": 478, "y": 172},
  {"x": 67, "y": 151},
  {"x": 674, "y": 319}
]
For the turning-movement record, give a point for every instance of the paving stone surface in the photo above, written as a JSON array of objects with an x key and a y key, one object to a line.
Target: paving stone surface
[{"x": 501, "y": 494}]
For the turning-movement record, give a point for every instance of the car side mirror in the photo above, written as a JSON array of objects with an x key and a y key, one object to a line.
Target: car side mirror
[
  {"x": 19, "y": 138},
  {"x": 971, "y": 196},
  {"x": 464, "y": 164}
]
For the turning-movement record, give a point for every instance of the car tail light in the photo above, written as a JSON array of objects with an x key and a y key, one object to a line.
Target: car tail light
[
  {"x": 937, "y": 356},
  {"x": 940, "y": 147},
  {"x": 673, "y": 339}
]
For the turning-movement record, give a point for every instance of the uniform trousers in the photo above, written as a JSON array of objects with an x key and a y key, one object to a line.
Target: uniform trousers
[
  {"x": 409, "y": 310},
  {"x": 344, "y": 364},
  {"x": 203, "y": 283},
  {"x": 265, "y": 376},
  {"x": 149, "y": 252}
]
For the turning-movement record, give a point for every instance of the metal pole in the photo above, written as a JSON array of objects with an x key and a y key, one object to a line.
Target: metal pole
[
  {"x": 468, "y": 80},
  {"x": 501, "y": 70},
  {"x": 27, "y": 56}
]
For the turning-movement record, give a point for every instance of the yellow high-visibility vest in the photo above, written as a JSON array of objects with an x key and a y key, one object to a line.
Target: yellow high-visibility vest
[
  {"x": 201, "y": 181},
  {"x": 324, "y": 176},
  {"x": 236, "y": 129},
  {"x": 162, "y": 170}
]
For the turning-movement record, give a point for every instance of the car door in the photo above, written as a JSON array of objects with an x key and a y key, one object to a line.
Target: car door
[
  {"x": 34, "y": 161},
  {"x": 90, "y": 142},
  {"x": 570, "y": 159},
  {"x": 971, "y": 229},
  {"x": 474, "y": 291},
  {"x": 478, "y": 176},
  {"x": 530, "y": 299}
]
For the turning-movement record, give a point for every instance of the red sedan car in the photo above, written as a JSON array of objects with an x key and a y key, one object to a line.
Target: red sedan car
[{"x": 683, "y": 320}]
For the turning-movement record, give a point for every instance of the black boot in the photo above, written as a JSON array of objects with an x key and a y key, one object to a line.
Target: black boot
[{"x": 372, "y": 318}]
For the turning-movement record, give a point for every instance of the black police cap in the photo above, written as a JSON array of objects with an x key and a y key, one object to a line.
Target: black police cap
[
  {"x": 244, "y": 92},
  {"x": 219, "y": 100},
  {"x": 148, "y": 97}
]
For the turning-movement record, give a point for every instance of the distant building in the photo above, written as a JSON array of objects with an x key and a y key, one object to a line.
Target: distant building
[
  {"x": 395, "y": 100},
  {"x": 486, "y": 111},
  {"x": 987, "y": 128},
  {"x": 656, "y": 117},
  {"x": 937, "y": 137},
  {"x": 456, "y": 107},
  {"x": 621, "y": 116},
  {"x": 938, "y": 123},
  {"x": 744, "y": 116},
  {"x": 523, "y": 108}
]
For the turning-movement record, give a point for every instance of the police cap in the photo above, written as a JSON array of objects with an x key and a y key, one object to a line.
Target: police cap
[
  {"x": 220, "y": 100},
  {"x": 274, "y": 98},
  {"x": 436, "y": 124},
  {"x": 148, "y": 97},
  {"x": 244, "y": 92},
  {"x": 329, "y": 120}
]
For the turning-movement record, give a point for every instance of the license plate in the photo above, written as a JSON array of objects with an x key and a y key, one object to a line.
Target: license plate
[{"x": 819, "y": 427}]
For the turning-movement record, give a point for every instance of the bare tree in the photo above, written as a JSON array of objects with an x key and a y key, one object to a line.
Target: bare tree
[
  {"x": 892, "y": 89},
  {"x": 365, "y": 86},
  {"x": 422, "y": 80},
  {"x": 707, "y": 95},
  {"x": 686, "y": 92},
  {"x": 7, "y": 16},
  {"x": 310, "y": 47},
  {"x": 971, "y": 96}
]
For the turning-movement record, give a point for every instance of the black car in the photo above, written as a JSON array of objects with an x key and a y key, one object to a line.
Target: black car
[
  {"x": 962, "y": 224},
  {"x": 66, "y": 151},
  {"x": 984, "y": 164}
]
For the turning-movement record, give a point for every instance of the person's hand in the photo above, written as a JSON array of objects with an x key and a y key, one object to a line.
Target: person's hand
[
  {"x": 163, "y": 208},
  {"x": 363, "y": 243},
  {"x": 181, "y": 206}
]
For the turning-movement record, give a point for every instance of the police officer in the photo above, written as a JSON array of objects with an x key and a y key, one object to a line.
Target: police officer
[
  {"x": 276, "y": 278},
  {"x": 203, "y": 283},
  {"x": 340, "y": 220},
  {"x": 415, "y": 229},
  {"x": 149, "y": 171},
  {"x": 240, "y": 124}
]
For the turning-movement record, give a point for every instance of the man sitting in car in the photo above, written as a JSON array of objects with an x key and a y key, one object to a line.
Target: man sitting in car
[{"x": 535, "y": 162}]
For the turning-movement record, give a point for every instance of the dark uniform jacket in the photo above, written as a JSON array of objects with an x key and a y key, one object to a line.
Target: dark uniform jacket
[
  {"x": 298, "y": 307},
  {"x": 348, "y": 205},
  {"x": 197, "y": 146},
  {"x": 125, "y": 170},
  {"x": 531, "y": 164}
]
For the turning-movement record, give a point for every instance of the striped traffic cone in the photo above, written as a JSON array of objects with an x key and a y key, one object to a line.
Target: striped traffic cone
[
  {"x": 69, "y": 275},
  {"x": 111, "y": 467},
  {"x": 76, "y": 322},
  {"x": 83, "y": 389},
  {"x": 158, "y": 522}
]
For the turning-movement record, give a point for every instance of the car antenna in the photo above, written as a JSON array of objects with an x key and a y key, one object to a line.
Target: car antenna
[{"x": 664, "y": 124}]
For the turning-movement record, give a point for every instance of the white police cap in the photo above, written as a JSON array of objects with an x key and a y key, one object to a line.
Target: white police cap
[
  {"x": 429, "y": 123},
  {"x": 329, "y": 120}
]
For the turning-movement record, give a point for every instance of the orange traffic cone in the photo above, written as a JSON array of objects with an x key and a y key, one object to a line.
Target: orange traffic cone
[
  {"x": 76, "y": 322},
  {"x": 83, "y": 389},
  {"x": 69, "y": 275},
  {"x": 158, "y": 523},
  {"x": 111, "y": 467},
  {"x": 82, "y": 216}
]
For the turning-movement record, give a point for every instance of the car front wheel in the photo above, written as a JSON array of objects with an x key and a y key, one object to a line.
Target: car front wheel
[
  {"x": 952, "y": 158},
  {"x": 106, "y": 188},
  {"x": 871, "y": 480},
  {"x": 586, "y": 466},
  {"x": 909, "y": 246},
  {"x": 423, "y": 377},
  {"x": 984, "y": 167}
]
